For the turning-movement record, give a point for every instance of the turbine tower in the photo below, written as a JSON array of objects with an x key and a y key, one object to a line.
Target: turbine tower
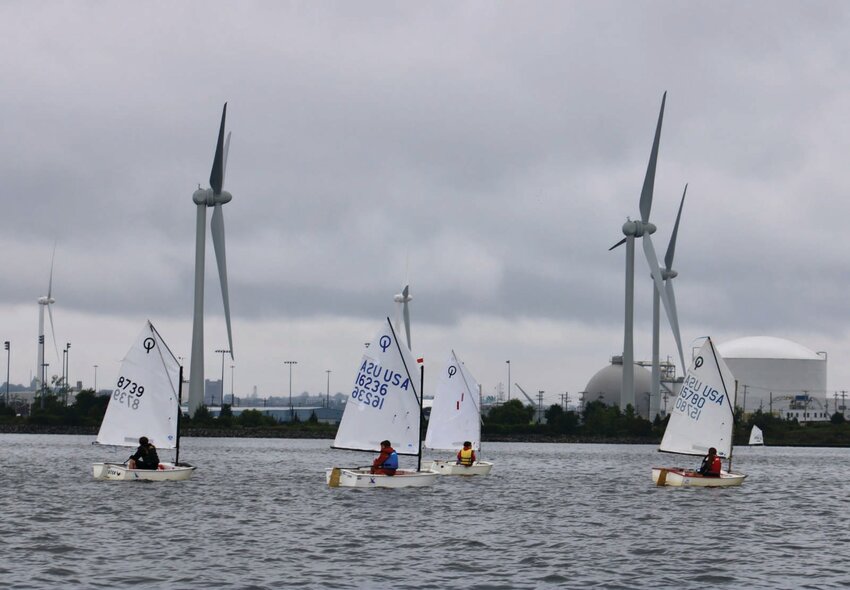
[
  {"x": 668, "y": 274},
  {"x": 45, "y": 301},
  {"x": 403, "y": 299},
  {"x": 640, "y": 229},
  {"x": 212, "y": 197}
]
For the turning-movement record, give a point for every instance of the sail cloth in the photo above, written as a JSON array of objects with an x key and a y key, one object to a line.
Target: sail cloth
[
  {"x": 455, "y": 414},
  {"x": 756, "y": 436},
  {"x": 384, "y": 399},
  {"x": 702, "y": 414},
  {"x": 144, "y": 400}
]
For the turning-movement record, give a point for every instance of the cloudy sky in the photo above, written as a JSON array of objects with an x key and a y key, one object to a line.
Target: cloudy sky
[{"x": 486, "y": 152}]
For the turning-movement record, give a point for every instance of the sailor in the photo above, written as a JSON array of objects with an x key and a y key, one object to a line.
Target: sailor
[
  {"x": 466, "y": 456},
  {"x": 711, "y": 464},
  {"x": 145, "y": 456},
  {"x": 387, "y": 461}
]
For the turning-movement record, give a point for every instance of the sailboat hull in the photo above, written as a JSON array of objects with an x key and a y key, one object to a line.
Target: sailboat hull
[
  {"x": 452, "y": 468},
  {"x": 359, "y": 477},
  {"x": 677, "y": 477},
  {"x": 120, "y": 472}
]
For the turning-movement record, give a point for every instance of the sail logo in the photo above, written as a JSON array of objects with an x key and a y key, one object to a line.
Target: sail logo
[
  {"x": 385, "y": 342},
  {"x": 452, "y": 371},
  {"x": 148, "y": 344}
]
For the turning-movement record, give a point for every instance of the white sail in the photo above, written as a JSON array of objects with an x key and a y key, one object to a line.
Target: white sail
[
  {"x": 144, "y": 400},
  {"x": 455, "y": 415},
  {"x": 702, "y": 415},
  {"x": 756, "y": 436},
  {"x": 384, "y": 399}
]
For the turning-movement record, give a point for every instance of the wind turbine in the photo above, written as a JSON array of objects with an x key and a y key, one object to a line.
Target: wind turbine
[
  {"x": 640, "y": 229},
  {"x": 45, "y": 301},
  {"x": 668, "y": 274},
  {"x": 403, "y": 299},
  {"x": 212, "y": 197}
]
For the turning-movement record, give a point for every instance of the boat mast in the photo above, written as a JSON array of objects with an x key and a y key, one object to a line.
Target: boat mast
[
  {"x": 179, "y": 411},
  {"x": 421, "y": 397}
]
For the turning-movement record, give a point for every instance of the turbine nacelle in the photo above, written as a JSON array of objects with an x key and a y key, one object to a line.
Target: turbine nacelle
[
  {"x": 46, "y": 300},
  {"x": 206, "y": 196},
  {"x": 638, "y": 228},
  {"x": 402, "y": 298}
]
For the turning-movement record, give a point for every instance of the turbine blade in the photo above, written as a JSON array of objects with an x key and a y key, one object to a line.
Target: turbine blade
[
  {"x": 224, "y": 164},
  {"x": 406, "y": 291},
  {"x": 671, "y": 248},
  {"x": 50, "y": 283},
  {"x": 649, "y": 179},
  {"x": 217, "y": 173},
  {"x": 674, "y": 321},
  {"x": 53, "y": 331},
  {"x": 217, "y": 231},
  {"x": 407, "y": 320},
  {"x": 618, "y": 244}
]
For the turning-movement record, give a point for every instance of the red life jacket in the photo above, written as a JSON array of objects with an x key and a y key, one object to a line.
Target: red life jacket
[{"x": 716, "y": 466}]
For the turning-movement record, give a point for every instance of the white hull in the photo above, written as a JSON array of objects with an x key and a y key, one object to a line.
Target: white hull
[
  {"x": 359, "y": 477},
  {"x": 120, "y": 472},
  {"x": 452, "y": 468},
  {"x": 678, "y": 477}
]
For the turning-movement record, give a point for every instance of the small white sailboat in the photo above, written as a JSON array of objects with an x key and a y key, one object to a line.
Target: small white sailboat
[
  {"x": 702, "y": 417},
  {"x": 145, "y": 402},
  {"x": 455, "y": 419},
  {"x": 384, "y": 404},
  {"x": 756, "y": 437}
]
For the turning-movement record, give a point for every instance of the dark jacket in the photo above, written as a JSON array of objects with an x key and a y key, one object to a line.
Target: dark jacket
[{"x": 146, "y": 457}]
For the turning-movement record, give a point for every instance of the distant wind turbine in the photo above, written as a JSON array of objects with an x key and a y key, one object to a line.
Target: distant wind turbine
[
  {"x": 212, "y": 197},
  {"x": 403, "y": 299},
  {"x": 668, "y": 274},
  {"x": 45, "y": 301},
  {"x": 640, "y": 229}
]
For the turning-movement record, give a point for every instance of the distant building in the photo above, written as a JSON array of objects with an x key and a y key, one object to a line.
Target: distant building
[{"x": 772, "y": 372}]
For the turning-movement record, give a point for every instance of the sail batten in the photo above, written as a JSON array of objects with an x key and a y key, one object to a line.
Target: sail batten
[
  {"x": 702, "y": 415},
  {"x": 384, "y": 401},
  {"x": 144, "y": 400},
  {"x": 455, "y": 414}
]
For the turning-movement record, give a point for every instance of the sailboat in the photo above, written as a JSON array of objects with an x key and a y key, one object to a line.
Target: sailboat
[
  {"x": 384, "y": 404},
  {"x": 455, "y": 419},
  {"x": 145, "y": 402},
  {"x": 756, "y": 437},
  {"x": 702, "y": 417}
]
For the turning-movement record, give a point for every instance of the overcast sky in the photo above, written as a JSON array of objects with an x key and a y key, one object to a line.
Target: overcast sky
[{"x": 488, "y": 153}]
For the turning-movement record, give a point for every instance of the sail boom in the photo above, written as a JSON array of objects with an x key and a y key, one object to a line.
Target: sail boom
[{"x": 370, "y": 450}]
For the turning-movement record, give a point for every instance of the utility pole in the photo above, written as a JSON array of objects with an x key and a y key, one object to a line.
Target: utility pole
[
  {"x": 7, "y": 345},
  {"x": 539, "y": 406},
  {"x": 328, "y": 393},
  {"x": 232, "y": 394},
  {"x": 744, "y": 408},
  {"x": 291, "y": 409},
  {"x": 509, "y": 379}
]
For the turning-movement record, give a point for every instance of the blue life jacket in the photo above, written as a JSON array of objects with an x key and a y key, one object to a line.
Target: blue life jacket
[{"x": 391, "y": 462}]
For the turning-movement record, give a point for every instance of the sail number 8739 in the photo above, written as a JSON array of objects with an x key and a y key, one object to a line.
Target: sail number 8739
[{"x": 128, "y": 391}]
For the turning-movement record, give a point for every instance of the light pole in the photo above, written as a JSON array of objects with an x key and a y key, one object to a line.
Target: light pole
[
  {"x": 509, "y": 379},
  {"x": 67, "y": 370},
  {"x": 328, "y": 395},
  {"x": 43, "y": 384},
  {"x": 291, "y": 410},
  {"x": 95, "y": 379},
  {"x": 223, "y": 352},
  {"x": 7, "y": 346},
  {"x": 232, "y": 395}
]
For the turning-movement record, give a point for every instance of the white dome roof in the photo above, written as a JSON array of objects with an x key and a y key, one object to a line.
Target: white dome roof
[{"x": 766, "y": 347}]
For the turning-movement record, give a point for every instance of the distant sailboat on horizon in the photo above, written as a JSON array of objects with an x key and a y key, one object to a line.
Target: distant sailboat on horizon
[{"x": 756, "y": 437}]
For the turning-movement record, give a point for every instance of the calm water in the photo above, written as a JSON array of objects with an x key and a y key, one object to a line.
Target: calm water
[{"x": 258, "y": 514}]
